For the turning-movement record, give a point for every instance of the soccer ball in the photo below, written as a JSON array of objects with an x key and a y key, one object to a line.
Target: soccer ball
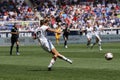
[{"x": 109, "y": 56}]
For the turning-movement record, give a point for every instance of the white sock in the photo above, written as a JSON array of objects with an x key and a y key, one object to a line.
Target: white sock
[
  {"x": 99, "y": 43},
  {"x": 63, "y": 57},
  {"x": 51, "y": 63},
  {"x": 66, "y": 59}
]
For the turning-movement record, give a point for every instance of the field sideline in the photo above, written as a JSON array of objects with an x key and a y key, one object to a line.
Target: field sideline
[{"x": 88, "y": 64}]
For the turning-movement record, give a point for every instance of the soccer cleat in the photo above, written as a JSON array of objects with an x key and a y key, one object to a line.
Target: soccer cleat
[
  {"x": 66, "y": 46},
  {"x": 49, "y": 69},
  {"x": 70, "y": 61},
  {"x": 18, "y": 53}
]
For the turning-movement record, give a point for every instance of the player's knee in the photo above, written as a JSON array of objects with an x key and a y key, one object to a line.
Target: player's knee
[{"x": 56, "y": 55}]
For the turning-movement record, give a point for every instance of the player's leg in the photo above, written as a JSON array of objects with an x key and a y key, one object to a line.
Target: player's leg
[
  {"x": 17, "y": 47},
  {"x": 88, "y": 42},
  {"x": 65, "y": 41},
  {"x": 94, "y": 42},
  {"x": 57, "y": 40},
  {"x": 52, "y": 62},
  {"x": 57, "y": 54},
  {"x": 12, "y": 44},
  {"x": 89, "y": 37},
  {"x": 48, "y": 46},
  {"x": 99, "y": 42}
]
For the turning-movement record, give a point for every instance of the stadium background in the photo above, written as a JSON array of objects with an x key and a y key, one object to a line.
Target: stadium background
[
  {"x": 31, "y": 64},
  {"x": 6, "y": 23}
]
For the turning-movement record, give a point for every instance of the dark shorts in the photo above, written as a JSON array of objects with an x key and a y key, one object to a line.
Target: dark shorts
[
  {"x": 13, "y": 40},
  {"x": 65, "y": 36}
]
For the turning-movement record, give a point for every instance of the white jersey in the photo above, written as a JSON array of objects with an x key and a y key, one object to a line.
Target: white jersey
[
  {"x": 41, "y": 32},
  {"x": 41, "y": 36},
  {"x": 89, "y": 31},
  {"x": 97, "y": 29}
]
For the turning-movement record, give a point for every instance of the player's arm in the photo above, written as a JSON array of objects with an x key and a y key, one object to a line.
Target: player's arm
[
  {"x": 54, "y": 30},
  {"x": 83, "y": 30},
  {"x": 14, "y": 32}
]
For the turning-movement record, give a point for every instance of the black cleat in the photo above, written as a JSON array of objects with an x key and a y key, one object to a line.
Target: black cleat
[{"x": 49, "y": 69}]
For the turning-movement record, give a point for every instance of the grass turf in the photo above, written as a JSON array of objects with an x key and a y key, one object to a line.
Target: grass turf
[{"x": 88, "y": 64}]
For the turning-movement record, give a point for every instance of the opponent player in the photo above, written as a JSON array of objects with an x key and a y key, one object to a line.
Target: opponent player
[
  {"x": 97, "y": 29},
  {"x": 66, "y": 33},
  {"x": 47, "y": 44}
]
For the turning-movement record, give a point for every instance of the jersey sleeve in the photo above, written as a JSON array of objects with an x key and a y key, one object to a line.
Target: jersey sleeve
[{"x": 45, "y": 28}]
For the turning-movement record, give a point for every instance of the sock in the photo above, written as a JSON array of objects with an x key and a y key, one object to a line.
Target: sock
[
  {"x": 64, "y": 58},
  {"x": 11, "y": 49},
  {"x": 99, "y": 43},
  {"x": 88, "y": 43},
  {"x": 17, "y": 48},
  {"x": 65, "y": 43},
  {"x": 52, "y": 62}
]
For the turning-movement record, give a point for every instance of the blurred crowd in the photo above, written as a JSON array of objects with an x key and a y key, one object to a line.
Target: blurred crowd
[
  {"x": 12, "y": 10},
  {"x": 77, "y": 15},
  {"x": 71, "y": 13}
]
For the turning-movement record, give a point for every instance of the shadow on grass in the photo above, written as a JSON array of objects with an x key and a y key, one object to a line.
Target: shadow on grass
[{"x": 37, "y": 70}]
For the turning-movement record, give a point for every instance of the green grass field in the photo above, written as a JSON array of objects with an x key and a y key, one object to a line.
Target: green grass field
[{"x": 87, "y": 64}]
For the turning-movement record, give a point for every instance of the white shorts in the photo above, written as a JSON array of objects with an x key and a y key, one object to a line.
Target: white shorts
[
  {"x": 89, "y": 36},
  {"x": 47, "y": 45}
]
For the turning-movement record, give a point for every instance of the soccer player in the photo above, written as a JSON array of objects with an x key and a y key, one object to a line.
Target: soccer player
[
  {"x": 89, "y": 33},
  {"x": 14, "y": 39},
  {"x": 57, "y": 35},
  {"x": 66, "y": 33},
  {"x": 40, "y": 34},
  {"x": 97, "y": 28}
]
